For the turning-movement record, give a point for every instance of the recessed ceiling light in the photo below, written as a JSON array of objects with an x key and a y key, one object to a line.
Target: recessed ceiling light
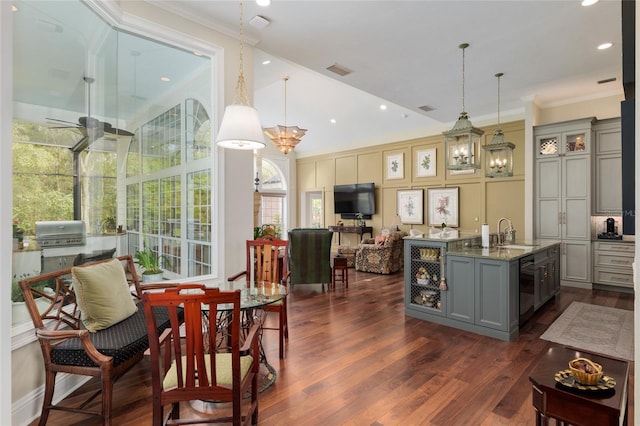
[
  {"x": 263, "y": 2},
  {"x": 383, "y": 107},
  {"x": 604, "y": 46},
  {"x": 589, "y": 2},
  {"x": 165, "y": 79},
  {"x": 266, "y": 62},
  {"x": 332, "y": 121},
  {"x": 197, "y": 53}
]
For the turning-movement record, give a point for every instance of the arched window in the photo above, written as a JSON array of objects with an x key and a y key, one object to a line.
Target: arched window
[{"x": 273, "y": 196}]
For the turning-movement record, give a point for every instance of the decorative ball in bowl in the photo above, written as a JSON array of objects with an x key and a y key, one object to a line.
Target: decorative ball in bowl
[{"x": 585, "y": 371}]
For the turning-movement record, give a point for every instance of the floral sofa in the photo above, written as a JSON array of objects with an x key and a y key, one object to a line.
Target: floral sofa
[{"x": 383, "y": 254}]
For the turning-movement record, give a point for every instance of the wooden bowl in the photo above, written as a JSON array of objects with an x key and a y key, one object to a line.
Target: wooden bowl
[{"x": 585, "y": 371}]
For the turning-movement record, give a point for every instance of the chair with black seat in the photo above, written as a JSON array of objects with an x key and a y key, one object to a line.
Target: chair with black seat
[
  {"x": 84, "y": 258},
  {"x": 88, "y": 323},
  {"x": 267, "y": 260},
  {"x": 190, "y": 363}
]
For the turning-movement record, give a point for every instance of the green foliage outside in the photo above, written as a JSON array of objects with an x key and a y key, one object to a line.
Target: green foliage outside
[{"x": 43, "y": 167}]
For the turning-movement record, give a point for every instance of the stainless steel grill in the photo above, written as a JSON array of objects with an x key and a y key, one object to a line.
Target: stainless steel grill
[{"x": 64, "y": 233}]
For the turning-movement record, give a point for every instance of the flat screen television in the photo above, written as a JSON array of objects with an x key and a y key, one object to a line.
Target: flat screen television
[{"x": 349, "y": 200}]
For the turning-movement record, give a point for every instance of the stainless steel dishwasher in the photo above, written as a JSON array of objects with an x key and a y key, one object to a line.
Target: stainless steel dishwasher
[{"x": 527, "y": 288}]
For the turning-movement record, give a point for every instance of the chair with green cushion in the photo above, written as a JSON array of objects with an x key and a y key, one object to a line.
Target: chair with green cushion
[
  {"x": 202, "y": 359},
  {"x": 91, "y": 325},
  {"x": 310, "y": 256}
]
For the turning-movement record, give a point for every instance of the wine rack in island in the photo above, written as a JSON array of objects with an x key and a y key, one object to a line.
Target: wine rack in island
[{"x": 425, "y": 281}]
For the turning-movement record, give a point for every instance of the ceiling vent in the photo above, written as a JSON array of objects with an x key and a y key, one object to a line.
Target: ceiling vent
[
  {"x": 259, "y": 22},
  {"x": 426, "y": 108},
  {"x": 339, "y": 69}
]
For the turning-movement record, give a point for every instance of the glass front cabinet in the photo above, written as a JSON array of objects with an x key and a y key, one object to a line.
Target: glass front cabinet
[{"x": 425, "y": 281}]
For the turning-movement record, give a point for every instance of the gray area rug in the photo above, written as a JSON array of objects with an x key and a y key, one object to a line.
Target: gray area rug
[{"x": 593, "y": 328}]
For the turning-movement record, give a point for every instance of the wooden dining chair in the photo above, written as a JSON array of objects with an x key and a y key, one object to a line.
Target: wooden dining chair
[
  {"x": 268, "y": 260},
  {"x": 189, "y": 363}
]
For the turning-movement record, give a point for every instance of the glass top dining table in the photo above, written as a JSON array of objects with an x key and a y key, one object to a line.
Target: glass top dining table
[{"x": 253, "y": 294}]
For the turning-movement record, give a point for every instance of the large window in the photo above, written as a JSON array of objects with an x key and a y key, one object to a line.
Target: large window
[
  {"x": 111, "y": 128},
  {"x": 175, "y": 201}
]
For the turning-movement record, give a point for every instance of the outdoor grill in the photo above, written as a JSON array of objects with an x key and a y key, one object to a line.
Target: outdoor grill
[{"x": 64, "y": 233}]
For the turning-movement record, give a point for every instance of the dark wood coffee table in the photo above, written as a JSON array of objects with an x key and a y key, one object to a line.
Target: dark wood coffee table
[{"x": 553, "y": 400}]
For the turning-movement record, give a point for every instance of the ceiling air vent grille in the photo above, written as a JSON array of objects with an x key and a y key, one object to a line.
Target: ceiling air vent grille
[
  {"x": 426, "y": 108},
  {"x": 339, "y": 69}
]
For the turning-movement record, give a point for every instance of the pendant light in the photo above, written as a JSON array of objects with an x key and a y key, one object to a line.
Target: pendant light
[
  {"x": 461, "y": 144},
  {"x": 498, "y": 160},
  {"x": 285, "y": 137},
  {"x": 240, "y": 127}
]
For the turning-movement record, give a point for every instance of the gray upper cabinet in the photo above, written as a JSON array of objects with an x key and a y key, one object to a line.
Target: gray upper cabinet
[{"x": 607, "y": 166}]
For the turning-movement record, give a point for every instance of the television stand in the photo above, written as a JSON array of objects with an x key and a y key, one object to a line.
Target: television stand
[{"x": 360, "y": 230}]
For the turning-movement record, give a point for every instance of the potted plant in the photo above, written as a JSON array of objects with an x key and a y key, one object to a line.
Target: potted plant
[
  {"x": 149, "y": 260},
  {"x": 19, "y": 312},
  {"x": 109, "y": 224}
]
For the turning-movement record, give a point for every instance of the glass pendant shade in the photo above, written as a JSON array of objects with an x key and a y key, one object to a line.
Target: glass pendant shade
[
  {"x": 285, "y": 137},
  {"x": 498, "y": 159},
  {"x": 461, "y": 145},
  {"x": 240, "y": 128}
]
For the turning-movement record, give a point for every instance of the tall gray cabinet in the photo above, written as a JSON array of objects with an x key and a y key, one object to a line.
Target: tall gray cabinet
[
  {"x": 607, "y": 165},
  {"x": 563, "y": 194}
]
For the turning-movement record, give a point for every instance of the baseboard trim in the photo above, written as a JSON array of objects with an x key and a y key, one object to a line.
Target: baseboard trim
[
  {"x": 577, "y": 284},
  {"x": 27, "y": 409}
]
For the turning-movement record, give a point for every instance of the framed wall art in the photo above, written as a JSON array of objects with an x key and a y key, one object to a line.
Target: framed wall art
[
  {"x": 426, "y": 162},
  {"x": 442, "y": 205},
  {"x": 411, "y": 206},
  {"x": 395, "y": 166}
]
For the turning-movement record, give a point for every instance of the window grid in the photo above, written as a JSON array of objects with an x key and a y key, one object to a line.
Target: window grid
[
  {"x": 199, "y": 255},
  {"x": 162, "y": 201},
  {"x": 199, "y": 225},
  {"x": 170, "y": 211},
  {"x": 133, "y": 207},
  {"x": 197, "y": 130}
]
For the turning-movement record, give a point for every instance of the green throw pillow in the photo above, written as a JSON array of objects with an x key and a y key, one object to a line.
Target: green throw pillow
[{"x": 103, "y": 294}]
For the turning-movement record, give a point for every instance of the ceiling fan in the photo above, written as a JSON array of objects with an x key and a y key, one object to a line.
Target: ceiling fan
[{"x": 91, "y": 128}]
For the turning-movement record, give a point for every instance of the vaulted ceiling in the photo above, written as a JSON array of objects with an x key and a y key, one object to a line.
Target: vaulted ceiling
[{"x": 403, "y": 54}]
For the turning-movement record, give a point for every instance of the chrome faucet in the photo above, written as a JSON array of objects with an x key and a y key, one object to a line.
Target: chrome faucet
[{"x": 508, "y": 234}]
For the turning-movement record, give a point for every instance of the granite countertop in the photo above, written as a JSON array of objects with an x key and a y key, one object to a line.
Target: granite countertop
[
  {"x": 507, "y": 252},
  {"x": 449, "y": 235}
]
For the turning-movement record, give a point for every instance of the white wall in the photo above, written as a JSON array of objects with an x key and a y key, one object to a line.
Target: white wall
[{"x": 6, "y": 207}]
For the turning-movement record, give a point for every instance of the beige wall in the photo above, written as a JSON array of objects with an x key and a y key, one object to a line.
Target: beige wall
[
  {"x": 481, "y": 200},
  {"x": 601, "y": 108}
]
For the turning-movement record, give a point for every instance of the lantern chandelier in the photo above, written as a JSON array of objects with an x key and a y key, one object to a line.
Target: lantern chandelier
[
  {"x": 240, "y": 127},
  {"x": 285, "y": 137},
  {"x": 463, "y": 141},
  {"x": 498, "y": 160}
]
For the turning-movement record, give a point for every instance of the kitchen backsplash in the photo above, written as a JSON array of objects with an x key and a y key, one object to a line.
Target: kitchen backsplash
[{"x": 599, "y": 225}]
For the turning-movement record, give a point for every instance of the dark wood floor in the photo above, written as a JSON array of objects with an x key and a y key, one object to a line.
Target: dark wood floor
[{"x": 353, "y": 358}]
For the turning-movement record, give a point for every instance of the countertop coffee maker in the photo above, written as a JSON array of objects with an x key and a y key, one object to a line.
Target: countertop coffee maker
[{"x": 611, "y": 232}]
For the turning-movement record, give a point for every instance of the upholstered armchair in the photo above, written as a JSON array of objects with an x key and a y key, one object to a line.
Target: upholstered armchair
[{"x": 383, "y": 254}]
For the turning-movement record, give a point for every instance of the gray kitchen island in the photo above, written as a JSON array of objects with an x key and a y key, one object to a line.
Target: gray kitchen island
[{"x": 451, "y": 281}]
